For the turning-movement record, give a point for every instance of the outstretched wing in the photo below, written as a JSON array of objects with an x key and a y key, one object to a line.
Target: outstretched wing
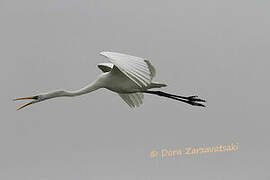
[
  {"x": 105, "y": 67},
  {"x": 139, "y": 70},
  {"x": 133, "y": 99}
]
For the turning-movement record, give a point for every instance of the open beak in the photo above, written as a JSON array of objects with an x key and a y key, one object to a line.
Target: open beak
[{"x": 27, "y": 104}]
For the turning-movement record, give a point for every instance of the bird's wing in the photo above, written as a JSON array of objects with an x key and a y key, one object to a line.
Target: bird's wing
[
  {"x": 139, "y": 70},
  {"x": 133, "y": 99},
  {"x": 105, "y": 67}
]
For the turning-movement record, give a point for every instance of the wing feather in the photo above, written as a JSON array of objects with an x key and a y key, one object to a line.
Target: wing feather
[
  {"x": 133, "y": 99},
  {"x": 127, "y": 99},
  {"x": 105, "y": 67},
  {"x": 139, "y": 70}
]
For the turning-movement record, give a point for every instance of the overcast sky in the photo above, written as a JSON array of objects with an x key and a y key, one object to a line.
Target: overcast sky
[{"x": 218, "y": 50}]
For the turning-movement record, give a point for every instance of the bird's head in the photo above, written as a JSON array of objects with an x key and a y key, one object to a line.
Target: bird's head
[
  {"x": 36, "y": 99},
  {"x": 42, "y": 97}
]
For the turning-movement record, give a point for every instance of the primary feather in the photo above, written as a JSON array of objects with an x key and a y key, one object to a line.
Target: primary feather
[
  {"x": 137, "y": 69},
  {"x": 133, "y": 99}
]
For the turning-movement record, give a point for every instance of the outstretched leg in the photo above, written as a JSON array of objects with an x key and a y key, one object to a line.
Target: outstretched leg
[{"x": 192, "y": 100}]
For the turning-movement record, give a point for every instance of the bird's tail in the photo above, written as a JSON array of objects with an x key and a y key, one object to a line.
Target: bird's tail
[
  {"x": 157, "y": 85},
  {"x": 192, "y": 100}
]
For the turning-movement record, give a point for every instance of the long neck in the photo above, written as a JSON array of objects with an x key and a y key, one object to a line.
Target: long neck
[
  {"x": 87, "y": 89},
  {"x": 63, "y": 93}
]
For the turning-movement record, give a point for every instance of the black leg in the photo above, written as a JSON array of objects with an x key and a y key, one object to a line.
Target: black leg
[{"x": 192, "y": 100}]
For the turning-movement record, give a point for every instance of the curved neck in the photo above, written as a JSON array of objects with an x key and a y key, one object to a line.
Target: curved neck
[
  {"x": 63, "y": 93},
  {"x": 87, "y": 89}
]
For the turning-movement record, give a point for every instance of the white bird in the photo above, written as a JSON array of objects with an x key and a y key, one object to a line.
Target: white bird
[{"x": 127, "y": 75}]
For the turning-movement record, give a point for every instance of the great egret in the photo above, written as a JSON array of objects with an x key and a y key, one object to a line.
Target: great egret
[{"x": 127, "y": 75}]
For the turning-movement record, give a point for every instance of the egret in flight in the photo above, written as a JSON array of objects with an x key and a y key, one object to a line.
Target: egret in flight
[{"x": 127, "y": 75}]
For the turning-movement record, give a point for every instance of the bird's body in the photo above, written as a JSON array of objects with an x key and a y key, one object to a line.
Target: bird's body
[
  {"x": 110, "y": 80},
  {"x": 127, "y": 75}
]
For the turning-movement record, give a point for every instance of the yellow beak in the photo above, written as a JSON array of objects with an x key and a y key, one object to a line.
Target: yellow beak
[{"x": 27, "y": 104}]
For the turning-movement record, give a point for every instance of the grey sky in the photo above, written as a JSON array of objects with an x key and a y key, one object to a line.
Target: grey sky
[{"x": 218, "y": 50}]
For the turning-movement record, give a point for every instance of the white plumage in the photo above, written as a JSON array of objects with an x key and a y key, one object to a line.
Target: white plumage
[
  {"x": 132, "y": 99},
  {"x": 137, "y": 69},
  {"x": 127, "y": 75}
]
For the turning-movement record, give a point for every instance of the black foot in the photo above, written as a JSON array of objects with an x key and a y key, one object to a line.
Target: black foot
[
  {"x": 195, "y": 98},
  {"x": 194, "y": 103},
  {"x": 192, "y": 100}
]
